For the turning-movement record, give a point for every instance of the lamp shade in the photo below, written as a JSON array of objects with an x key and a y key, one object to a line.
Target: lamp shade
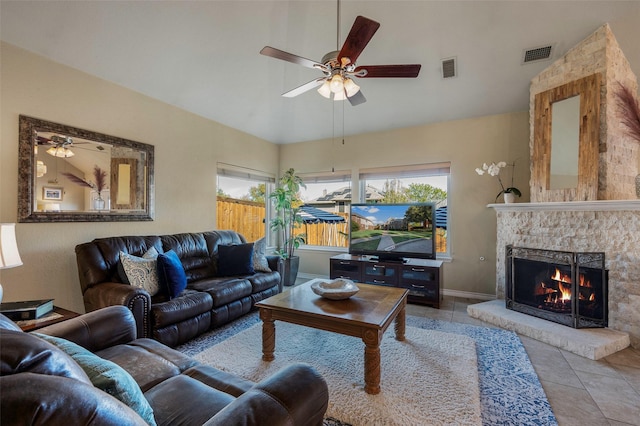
[{"x": 9, "y": 255}]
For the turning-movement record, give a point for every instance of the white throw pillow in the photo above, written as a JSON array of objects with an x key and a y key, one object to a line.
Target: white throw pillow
[
  {"x": 142, "y": 272},
  {"x": 260, "y": 262}
]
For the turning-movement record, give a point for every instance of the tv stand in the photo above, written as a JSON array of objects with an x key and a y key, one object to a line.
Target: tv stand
[
  {"x": 387, "y": 259},
  {"x": 422, "y": 277}
]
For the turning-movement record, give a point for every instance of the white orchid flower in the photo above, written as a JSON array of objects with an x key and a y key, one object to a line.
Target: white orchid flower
[
  {"x": 494, "y": 170},
  {"x": 484, "y": 166},
  {"x": 479, "y": 171},
  {"x": 502, "y": 164}
]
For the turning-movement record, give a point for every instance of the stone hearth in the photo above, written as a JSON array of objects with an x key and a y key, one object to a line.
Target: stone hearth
[{"x": 592, "y": 343}]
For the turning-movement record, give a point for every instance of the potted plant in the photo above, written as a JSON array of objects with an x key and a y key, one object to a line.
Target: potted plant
[
  {"x": 287, "y": 205},
  {"x": 493, "y": 169}
]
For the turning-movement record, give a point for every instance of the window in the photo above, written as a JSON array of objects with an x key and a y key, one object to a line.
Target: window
[
  {"x": 416, "y": 183},
  {"x": 242, "y": 197},
  {"x": 325, "y": 211}
]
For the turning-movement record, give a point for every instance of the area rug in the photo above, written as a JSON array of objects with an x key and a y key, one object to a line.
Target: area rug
[
  {"x": 430, "y": 378},
  {"x": 510, "y": 392}
]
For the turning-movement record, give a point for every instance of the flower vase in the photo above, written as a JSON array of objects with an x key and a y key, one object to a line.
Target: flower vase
[
  {"x": 98, "y": 203},
  {"x": 509, "y": 197}
]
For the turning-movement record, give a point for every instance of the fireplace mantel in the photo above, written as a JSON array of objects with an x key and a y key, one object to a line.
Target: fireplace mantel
[{"x": 578, "y": 206}]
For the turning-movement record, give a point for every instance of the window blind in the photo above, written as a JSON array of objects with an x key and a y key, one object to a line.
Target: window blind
[{"x": 415, "y": 170}]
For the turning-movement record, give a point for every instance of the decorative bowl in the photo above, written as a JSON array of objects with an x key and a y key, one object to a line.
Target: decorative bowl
[{"x": 338, "y": 289}]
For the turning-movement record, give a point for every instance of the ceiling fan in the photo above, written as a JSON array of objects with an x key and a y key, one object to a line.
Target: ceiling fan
[
  {"x": 60, "y": 145},
  {"x": 339, "y": 66}
]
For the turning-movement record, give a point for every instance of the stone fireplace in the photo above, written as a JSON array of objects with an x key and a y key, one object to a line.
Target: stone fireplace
[
  {"x": 599, "y": 214},
  {"x": 610, "y": 227},
  {"x": 564, "y": 287}
]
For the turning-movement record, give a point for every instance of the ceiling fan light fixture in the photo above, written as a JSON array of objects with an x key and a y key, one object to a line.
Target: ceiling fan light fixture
[
  {"x": 41, "y": 168},
  {"x": 350, "y": 87},
  {"x": 60, "y": 151},
  {"x": 325, "y": 89},
  {"x": 339, "y": 96},
  {"x": 337, "y": 83}
]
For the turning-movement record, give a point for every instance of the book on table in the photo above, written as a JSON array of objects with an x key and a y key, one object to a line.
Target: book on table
[{"x": 26, "y": 310}]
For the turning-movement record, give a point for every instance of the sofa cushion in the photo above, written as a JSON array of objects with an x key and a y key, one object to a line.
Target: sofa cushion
[
  {"x": 193, "y": 252},
  {"x": 106, "y": 376},
  {"x": 224, "y": 290},
  {"x": 188, "y": 305},
  {"x": 148, "y": 361},
  {"x": 141, "y": 272},
  {"x": 183, "y": 397},
  {"x": 235, "y": 259},
  {"x": 264, "y": 280},
  {"x": 171, "y": 273},
  {"x": 41, "y": 399},
  {"x": 260, "y": 263},
  {"x": 25, "y": 353}
]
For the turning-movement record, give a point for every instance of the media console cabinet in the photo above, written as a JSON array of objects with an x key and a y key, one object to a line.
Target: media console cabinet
[{"x": 422, "y": 277}]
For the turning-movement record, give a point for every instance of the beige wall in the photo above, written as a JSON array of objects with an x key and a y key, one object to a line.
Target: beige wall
[
  {"x": 187, "y": 148},
  {"x": 466, "y": 144}
]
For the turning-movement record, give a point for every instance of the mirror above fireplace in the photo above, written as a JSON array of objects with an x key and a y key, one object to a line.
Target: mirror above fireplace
[
  {"x": 547, "y": 145},
  {"x": 67, "y": 174}
]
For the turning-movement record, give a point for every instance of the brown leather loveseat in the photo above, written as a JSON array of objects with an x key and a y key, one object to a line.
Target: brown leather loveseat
[
  {"x": 95, "y": 371},
  {"x": 220, "y": 286}
]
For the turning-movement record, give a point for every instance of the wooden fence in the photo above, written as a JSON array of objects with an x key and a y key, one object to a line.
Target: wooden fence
[
  {"x": 327, "y": 234},
  {"x": 248, "y": 219},
  {"x": 244, "y": 217}
]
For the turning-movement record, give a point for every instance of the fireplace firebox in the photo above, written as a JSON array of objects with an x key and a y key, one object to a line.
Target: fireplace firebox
[{"x": 565, "y": 287}]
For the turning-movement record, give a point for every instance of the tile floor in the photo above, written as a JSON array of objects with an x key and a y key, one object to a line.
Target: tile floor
[{"x": 581, "y": 391}]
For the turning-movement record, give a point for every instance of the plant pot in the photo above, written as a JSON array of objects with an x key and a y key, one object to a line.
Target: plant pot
[
  {"x": 509, "y": 197},
  {"x": 289, "y": 270}
]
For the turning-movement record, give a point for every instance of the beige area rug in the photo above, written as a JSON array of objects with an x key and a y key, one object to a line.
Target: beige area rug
[{"x": 429, "y": 379}]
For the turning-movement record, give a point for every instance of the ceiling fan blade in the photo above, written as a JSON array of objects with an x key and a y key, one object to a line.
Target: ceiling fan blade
[
  {"x": 289, "y": 57},
  {"x": 304, "y": 88},
  {"x": 361, "y": 32},
  {"x": 357, "y": 99},
  {"x": 407, "y": 71}
]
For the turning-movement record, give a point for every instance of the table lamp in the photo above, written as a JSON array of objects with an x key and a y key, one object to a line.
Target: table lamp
[{"x": 9, "y": 256}]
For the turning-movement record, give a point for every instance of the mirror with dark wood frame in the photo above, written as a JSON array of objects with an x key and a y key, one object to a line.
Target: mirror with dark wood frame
[{"x": 67, "y": 174}]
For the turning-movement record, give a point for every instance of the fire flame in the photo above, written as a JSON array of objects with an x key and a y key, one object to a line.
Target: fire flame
[{"x": 563, "y": 293}]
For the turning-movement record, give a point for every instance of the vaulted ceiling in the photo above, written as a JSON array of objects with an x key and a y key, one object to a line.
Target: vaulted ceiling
[{"x": 203, "y": 56}]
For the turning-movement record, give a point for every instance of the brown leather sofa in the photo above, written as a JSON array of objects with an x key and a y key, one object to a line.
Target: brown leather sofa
[
  {"x": 41, "y": 384},
  {"x": 209, "y": 301}
]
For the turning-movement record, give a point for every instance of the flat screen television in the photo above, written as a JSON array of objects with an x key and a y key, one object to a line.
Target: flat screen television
[{"x": 393, "y": 231}]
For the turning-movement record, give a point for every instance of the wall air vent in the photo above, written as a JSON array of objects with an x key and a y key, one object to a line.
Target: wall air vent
[
  {"x": 535, "y": 54},
  {"x": 449, "y": 68}
]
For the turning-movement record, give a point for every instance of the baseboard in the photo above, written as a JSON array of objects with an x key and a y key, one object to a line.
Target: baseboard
[
  {"x": 468, "y": 294},
  {"x": 446, "y": 292}
]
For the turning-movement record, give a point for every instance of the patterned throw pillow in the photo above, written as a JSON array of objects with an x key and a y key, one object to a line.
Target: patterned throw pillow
[
  {"x": 142, "y": 272},
  {"x": 260, "y": 262}
]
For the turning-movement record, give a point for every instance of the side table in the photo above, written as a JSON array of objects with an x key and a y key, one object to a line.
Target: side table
[{"x": 57, "y": 315}]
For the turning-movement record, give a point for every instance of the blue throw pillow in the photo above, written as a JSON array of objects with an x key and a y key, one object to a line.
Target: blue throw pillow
[
  {"x": 106, "y": 376},
  {"x": 171, "y": 273},
  {"x": 235, "y": 260}
]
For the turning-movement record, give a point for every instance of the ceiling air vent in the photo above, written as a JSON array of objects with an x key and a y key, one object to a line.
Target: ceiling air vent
[
  {"x": 449, "y": 68},
  {"x": 541, "y": 53}
]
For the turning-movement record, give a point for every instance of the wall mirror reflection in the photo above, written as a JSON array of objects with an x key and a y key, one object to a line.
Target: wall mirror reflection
[
  {"x": 565, "y": 143},
  {"x": 67, "y": 174}
]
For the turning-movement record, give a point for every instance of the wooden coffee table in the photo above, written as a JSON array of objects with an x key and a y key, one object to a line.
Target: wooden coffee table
[{"x": 367, "y": 315}]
